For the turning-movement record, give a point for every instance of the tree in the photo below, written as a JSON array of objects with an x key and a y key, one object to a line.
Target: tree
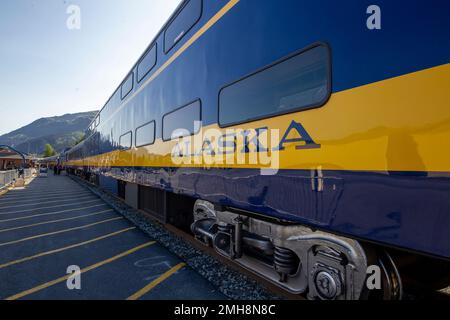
[{"x": 49, "y": 151}]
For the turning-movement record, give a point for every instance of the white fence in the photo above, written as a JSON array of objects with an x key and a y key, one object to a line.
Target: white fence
[
  {"x": 28, "y": 173},
  {"x": 7, "y": 178}
]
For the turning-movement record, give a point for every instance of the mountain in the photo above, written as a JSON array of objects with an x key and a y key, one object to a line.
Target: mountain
[{"x": 61, "y": 132}]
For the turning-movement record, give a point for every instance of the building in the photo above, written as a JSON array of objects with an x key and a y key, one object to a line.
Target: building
[{"x": 10, "y": 159}]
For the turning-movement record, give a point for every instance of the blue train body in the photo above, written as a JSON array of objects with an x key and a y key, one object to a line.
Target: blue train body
[{"x": 402, "y": 200}]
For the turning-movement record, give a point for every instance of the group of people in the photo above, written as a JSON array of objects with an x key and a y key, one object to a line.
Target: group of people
[{"x": 57, "y": 169}]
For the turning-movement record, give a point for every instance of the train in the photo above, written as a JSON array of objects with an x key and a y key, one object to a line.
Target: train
[{"x": 306, "y": 141}]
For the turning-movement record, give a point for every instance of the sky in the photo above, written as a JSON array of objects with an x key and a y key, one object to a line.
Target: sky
[{"x": 49, "y": 69}]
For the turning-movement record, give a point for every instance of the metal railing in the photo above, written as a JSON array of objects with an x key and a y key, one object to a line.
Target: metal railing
[
  {"x": 28, "y": 173},
  {"x": 7, "y": 178}
]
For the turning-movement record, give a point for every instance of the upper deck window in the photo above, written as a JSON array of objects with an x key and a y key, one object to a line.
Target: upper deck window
[
  {"x": 299, "y": 82},
  {"x": 145, "y": 135},
  {"x": 182, "y": 122},
  {"x": 127, "y": 86},
  {"x": 147, "y": 63},
  {"x": 186, "y": 18},
  {"x": 125, "y": 141}
]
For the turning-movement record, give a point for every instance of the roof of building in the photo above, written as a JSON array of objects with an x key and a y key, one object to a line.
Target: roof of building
[{"x": 6, "y": 153}]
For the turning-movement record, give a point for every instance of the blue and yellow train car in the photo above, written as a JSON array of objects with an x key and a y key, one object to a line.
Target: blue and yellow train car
[{"x": 305, "y": 140}]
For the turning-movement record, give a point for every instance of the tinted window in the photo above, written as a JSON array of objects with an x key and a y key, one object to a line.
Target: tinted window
[
  {"x": 147, "y": 63},
  {"x": 182, "y": 122},
  {"x": 127, "y": 86},
  {"x": 145, "y": 134},
  {"x": 125, "y": 141},
  {"x": 299, "y": 82},
  {"x": 183, "y": 22}
]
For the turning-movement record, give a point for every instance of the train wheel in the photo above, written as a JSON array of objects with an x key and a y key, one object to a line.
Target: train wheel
[
  {"x": 427, "y": 274},
  {"x": 391, "y": 282}
]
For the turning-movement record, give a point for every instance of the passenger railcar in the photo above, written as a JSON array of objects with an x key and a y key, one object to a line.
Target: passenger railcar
[
  {"x": 50, "y": 162},
  {"x": 305, "y": 140}
]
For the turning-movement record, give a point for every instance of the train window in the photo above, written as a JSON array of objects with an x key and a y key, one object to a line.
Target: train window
[
  {"x": 145, "y": 134},
  {"x": 182, "y": 122},
  {"x": 97, "y": 121},
  {"x": 147, "y": 63},
  {"x": 299, "y": 82},
  {"x": 127, "y": 86},
  {"x": 125, "y": 141},
  {"x": 186, "y": 18}
]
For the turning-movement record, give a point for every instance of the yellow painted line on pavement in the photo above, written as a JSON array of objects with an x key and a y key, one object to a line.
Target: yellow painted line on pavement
[
  {"x": 156, "y": 282},
  {"x": 51, "y": 213},
  {"x": 25, "y": 200},
  {"x": 34, "y": 189},
  {"x": 42, "y": 254},
  {"x": 58, "y": 232},
  {"x": 92, "y": 267},
  {"x": 63, "y": 205},
  {"x": 55, "y": 221},
  {"x": 34, "y": 203},
  {"x": 39, "y": 195}
]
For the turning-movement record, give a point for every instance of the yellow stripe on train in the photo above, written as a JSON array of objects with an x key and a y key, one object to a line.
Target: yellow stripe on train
[{"x": 399, "y": 124}]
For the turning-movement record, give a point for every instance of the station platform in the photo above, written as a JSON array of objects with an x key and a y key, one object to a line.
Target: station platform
[{"x": 54, "y": 226}]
